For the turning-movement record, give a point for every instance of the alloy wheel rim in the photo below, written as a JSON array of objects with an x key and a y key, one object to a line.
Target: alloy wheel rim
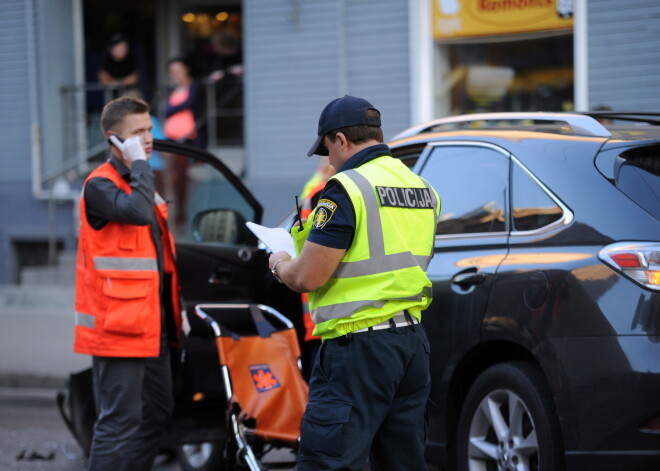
[
  {"x": 502, "y": 435},
  {"x": 197, "y": 454}
]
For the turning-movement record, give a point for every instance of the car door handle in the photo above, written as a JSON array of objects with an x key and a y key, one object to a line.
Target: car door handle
[
  {"x": 221, "y": 276},
  {"x": 471, "y": 278}
]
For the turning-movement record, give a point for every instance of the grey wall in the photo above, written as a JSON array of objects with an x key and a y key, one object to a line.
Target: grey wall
[
  {"x": 14, "y": 87},
  {"x": 299, "y": 55},
  {"x": 32, "y": 62},
  {"x": 624, "y": 54}
]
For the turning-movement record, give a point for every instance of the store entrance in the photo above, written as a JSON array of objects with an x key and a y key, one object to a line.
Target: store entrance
[{"x": 206, "y": 35}]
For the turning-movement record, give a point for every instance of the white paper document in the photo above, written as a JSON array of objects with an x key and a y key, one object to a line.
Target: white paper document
[{"x": 276, "y": 238}]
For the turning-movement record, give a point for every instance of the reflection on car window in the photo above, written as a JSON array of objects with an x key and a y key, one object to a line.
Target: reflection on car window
[
  {"x": 471, "y": 182},
  {"x": 532, "y": 206},
  {"x": 639, "y": 178},
  {"x": 193, "y": 187}
]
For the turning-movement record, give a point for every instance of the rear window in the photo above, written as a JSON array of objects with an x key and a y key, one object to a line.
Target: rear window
[{"x": 637, "y": 174}]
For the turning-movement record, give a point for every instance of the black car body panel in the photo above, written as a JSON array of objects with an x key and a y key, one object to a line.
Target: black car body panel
[{"x": 545, "y": 296}]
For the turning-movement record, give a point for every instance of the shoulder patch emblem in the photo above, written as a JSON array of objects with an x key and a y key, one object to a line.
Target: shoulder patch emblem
[{"x": 324, "y": 211}]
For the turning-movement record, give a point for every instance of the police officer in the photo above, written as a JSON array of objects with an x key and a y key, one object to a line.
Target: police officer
[
  {"x": 363, "y": 255},
  {"x": 128, "y": 309}
]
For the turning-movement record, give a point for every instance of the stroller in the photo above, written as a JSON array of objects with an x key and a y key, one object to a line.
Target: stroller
[
  {"x": 242, "y": 391},
  {"x": 261, "y": 373}
]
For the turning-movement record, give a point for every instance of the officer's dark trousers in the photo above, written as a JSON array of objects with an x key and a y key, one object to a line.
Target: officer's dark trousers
[
  {"x": 367, "y": 397},
  {"x": 134, "y": 403}
]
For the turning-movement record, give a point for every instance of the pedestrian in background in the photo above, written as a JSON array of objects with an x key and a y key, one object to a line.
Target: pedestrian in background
[
  {"x": 184, "y": 112},
  {"x": 128, "y": 310},
  {"x": 118, "y": 65},
  {"x": 363, "y": 256},
  {"x": 184, "y": 122}
]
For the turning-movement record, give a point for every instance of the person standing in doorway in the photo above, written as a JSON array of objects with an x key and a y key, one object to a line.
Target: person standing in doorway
[
  {"x": 363, "y": 255},
  {"x": 118, "y": 65},
  {"x": 128, "y": 307}
]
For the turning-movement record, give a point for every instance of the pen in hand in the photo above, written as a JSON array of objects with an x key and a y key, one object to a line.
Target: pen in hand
[{"x": 298, "y": 214}]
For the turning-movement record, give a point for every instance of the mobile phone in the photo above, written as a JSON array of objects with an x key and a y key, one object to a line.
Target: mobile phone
[{"x": 120, "y": 139}]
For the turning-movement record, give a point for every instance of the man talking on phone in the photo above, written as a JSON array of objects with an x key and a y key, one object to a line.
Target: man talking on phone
[{"x": 128, "y": 310}]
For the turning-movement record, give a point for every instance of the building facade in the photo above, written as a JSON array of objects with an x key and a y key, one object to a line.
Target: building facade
[{"x": 297, "y": 56}]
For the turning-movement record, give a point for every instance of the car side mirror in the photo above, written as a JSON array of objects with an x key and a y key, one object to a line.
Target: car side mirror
[{"x": 224, "y": 226}]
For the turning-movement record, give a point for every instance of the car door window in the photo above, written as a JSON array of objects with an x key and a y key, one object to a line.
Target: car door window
[
  {"x": 471, "y": 182},
  {"x": 533, "y": 208},
  {"x": 193, "y": 189}
]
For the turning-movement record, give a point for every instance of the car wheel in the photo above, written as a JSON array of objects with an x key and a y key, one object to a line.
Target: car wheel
[
  {"x": 206, "y": 456},
  {"x": 508, "y": 422}
]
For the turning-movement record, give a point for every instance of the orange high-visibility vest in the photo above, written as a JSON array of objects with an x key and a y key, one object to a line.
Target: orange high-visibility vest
[
  {"x": 118, "y": 309},
  {"x": 304, "y": 213},
  {"x": 306, "y": 209}
]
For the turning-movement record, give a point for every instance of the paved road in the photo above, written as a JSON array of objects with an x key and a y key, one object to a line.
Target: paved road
[
  {"x": 34, "y": 437},
  {"x": 36, "y": 358}
]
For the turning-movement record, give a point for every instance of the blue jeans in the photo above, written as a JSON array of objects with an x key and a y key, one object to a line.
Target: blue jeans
[{"x": 367, "y": 398}]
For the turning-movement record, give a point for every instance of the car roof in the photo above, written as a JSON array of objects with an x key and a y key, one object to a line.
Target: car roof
[{"x": 603, "y": 126}]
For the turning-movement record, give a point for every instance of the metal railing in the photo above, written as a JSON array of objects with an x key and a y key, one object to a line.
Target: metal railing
[{"x": 82, "y": 105}]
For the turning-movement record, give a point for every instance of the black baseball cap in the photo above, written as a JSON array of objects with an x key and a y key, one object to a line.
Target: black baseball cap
[{"x": 340, "y": 113}]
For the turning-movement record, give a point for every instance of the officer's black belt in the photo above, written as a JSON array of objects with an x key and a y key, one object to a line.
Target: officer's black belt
[{"x": 400, "y": 319}]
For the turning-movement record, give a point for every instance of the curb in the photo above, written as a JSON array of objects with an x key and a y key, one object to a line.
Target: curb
[{"x": 20, "y": 381}]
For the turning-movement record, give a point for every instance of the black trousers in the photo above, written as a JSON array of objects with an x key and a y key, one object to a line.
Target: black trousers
[
  {"x": 367, "y": 397},
  {"x": 134, "y": 404}
]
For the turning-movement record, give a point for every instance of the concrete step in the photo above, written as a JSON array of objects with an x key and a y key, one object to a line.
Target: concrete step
[
  {"x": 46, "y": 296},
  {"x": 64, "y": 273},
  {"x": 55, "y": 275},
  {"x": 36, "y": 346}
]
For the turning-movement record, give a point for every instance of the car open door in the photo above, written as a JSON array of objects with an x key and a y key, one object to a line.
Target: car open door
[{"x": 217, "y": 256}]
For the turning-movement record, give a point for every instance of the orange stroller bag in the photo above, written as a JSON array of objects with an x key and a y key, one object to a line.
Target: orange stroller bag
[{"x": 259, "y": 357}]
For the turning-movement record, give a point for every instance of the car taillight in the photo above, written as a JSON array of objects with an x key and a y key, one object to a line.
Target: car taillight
[{"x": 639, "y": 261}]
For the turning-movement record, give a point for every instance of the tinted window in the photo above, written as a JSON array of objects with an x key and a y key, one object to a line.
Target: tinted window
[
  {"x": 638, "y": 176},
  {"x": 471, "y": 182},
  {"x": 409, "y": 154},
  {"x": 532, "y": 206},
  {"x": 192, "y": 187}
]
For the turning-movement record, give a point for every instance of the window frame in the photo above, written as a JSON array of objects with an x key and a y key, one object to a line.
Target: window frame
[
  {"x": 424, "y": 159},
  {"x": 567, "y": 215}
]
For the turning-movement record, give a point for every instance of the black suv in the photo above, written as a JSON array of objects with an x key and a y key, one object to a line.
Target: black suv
[{"x": 545, "y": 323}]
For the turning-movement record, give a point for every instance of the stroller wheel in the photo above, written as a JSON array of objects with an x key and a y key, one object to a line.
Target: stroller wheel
[{"x": 206, "y": 456}]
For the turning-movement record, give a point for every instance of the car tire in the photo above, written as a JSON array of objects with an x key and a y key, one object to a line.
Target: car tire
[
  {"x": 511, "y": 400},
  {"x": 206, "y": 456}
]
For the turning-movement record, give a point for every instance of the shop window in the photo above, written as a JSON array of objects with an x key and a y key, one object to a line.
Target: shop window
[{"x": 513, "y": 75}]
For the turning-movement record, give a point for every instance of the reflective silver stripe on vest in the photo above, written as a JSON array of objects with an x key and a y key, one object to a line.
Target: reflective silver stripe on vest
[
  {"x": 125, "y": 263},
  {"x": 378, "y": 261},
  {"x": 383, "y": 263},
  {"x": 158, "y": 200},
  {"x": 338, "y": 311},
  {"x": 85, "y": 320}
]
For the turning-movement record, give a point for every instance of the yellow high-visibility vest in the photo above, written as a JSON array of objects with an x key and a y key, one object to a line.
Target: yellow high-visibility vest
[{"x": 384, "y": 270}]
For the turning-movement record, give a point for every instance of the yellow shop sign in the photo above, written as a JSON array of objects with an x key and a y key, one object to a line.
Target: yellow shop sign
[{"x": 454, "y": 19}]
